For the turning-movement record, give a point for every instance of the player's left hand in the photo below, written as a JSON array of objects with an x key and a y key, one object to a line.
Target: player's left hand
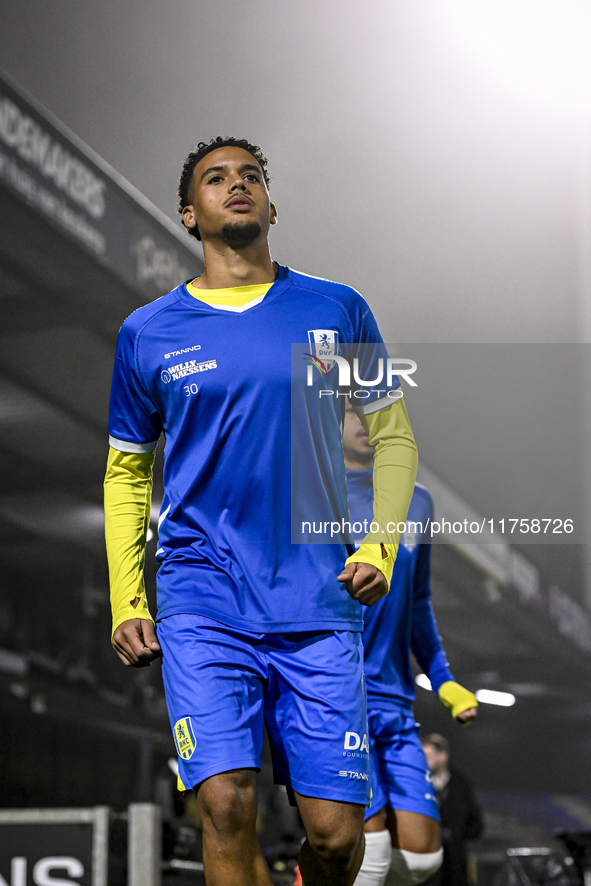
[
  {"x": 467, "y": 716},
  {"x": 363, "y": 582}
]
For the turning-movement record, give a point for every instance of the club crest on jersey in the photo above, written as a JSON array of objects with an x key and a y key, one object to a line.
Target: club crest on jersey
[
  {"x": 184, "y": 738},
  {"x": 324, "y": 344},
  {"x": 409, "y": 538}
]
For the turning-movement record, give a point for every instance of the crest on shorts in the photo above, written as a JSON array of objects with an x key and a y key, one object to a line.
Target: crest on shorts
[
  {"x": 324, "y": 344},
  {"x": 184, "y": 738}
]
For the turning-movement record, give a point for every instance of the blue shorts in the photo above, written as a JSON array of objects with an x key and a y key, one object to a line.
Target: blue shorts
[
  {"x": 222, "y": 684},
  {"x": 399, "y": 775}
]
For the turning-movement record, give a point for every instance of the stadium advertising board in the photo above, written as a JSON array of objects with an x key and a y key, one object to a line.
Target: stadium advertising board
[
  {"x": 47, "y": 847},
  {"x": 61, "y": 179}
]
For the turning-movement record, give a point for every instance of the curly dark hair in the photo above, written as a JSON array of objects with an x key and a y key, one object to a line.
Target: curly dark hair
[{"x": 201, "y": 151}]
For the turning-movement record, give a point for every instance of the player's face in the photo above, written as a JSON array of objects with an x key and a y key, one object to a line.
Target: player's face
[
  {"x": 355, "y": 443},
  {"x": 230, "y": 198}
]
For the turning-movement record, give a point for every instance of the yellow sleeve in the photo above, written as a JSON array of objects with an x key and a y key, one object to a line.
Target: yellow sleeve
[
  {"x": 456, "y": 697},
  {"x": 128, "y": 492},
  {"x": 394, "y": 473}
]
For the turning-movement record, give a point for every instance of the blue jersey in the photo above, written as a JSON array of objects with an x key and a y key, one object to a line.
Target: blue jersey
[
  {"x": 220, "y": 386},
  {"x": 403, "y": 620}
]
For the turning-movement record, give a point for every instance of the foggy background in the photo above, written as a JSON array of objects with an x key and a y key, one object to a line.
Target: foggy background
[{"x": 402, "y": 163}]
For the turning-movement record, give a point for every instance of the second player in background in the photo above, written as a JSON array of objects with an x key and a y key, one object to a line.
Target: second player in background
[{"x": 402, "y": 828}]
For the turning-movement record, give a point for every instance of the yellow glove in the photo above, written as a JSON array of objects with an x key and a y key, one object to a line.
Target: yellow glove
[{"x": 456, "y": 697}]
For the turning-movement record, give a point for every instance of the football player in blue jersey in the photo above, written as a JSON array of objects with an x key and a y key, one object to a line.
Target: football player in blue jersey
[
  {"x": 402, "y": 825},
  {"x": 253, "y": 629}
]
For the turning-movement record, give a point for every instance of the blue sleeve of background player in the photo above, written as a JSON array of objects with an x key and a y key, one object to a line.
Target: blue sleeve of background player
[{"x": 425, "y": 641}]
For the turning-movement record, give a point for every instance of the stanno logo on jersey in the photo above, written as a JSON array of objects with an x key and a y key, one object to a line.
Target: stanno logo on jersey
[
  {"x": 182, "y": 351},
  {"x": 189, "y": 367},
  {"x": 348, "y": 773},
  {"x": 184, "y": 738},
  {"x": 324, "y": 344}
]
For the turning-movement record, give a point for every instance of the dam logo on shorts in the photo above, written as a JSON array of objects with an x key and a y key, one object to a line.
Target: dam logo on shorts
[{"x": 184, "y": 738}]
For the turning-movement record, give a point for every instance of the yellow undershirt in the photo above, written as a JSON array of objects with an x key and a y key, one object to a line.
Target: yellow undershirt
[
  {"x": 236, "y": 298},
  {"x": 394, "y": 472}
]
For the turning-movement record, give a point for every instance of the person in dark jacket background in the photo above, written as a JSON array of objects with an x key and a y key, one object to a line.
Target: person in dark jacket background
[{"x": 461, "y": 818}]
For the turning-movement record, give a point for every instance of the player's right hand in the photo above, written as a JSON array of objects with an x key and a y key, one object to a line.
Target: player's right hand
[{"x": 135, "y": 643}]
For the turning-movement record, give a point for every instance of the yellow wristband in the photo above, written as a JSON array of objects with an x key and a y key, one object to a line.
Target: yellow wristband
[{"x": 456, "y": 697}]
